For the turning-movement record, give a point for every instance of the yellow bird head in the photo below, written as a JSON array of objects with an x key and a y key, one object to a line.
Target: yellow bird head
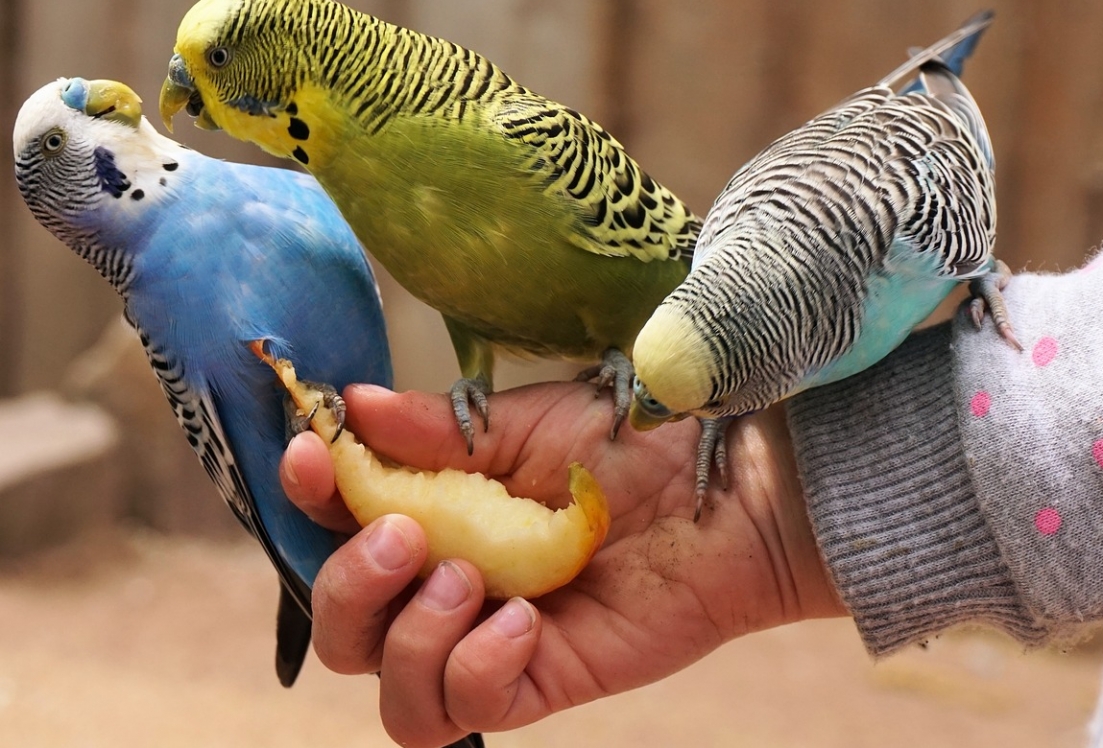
[
  {"x": 673, "y": 369},
  {"x": 194, "y": 68},
  {"x": 239, "y": 66}
]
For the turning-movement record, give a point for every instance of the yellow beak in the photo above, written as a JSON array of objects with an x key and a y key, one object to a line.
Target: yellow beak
[
  {"x": 174, "y": 97},
  {"x": 178, "y": 91},
  {"x": 641, "y": 420},
  {"x": 113, "y": 101}
]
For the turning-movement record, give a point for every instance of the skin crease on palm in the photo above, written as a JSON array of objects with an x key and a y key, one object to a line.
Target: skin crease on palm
[{"x": 660, "y": 594}]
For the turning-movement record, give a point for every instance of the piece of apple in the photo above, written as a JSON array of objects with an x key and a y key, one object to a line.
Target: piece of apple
[{"x": 521, "y": 547}]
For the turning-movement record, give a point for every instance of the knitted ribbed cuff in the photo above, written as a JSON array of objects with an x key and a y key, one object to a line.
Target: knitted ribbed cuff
[{"x": 892, "y": 506}]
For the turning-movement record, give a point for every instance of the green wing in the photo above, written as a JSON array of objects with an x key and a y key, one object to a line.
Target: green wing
[{"x": 623, "y": 211}]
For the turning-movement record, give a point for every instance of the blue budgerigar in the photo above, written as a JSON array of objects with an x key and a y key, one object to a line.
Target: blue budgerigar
[
  {"x": 208, "y": 256},
  {"x": 827, "y": 249}
]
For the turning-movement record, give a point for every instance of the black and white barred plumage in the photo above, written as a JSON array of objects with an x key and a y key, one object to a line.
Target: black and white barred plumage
[{"x": 827, "y": 248}]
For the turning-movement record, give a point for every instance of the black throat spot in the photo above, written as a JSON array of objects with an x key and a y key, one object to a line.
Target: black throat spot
[
  {"x": 112, "y": 180},
  {"x": 298, "y": 129}
]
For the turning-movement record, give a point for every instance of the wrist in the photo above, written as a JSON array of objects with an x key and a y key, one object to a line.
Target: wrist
[{"x": 892, "y": 504}]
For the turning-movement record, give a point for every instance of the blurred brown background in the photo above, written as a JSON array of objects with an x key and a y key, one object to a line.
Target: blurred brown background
[{"x": 693, "y": 89}]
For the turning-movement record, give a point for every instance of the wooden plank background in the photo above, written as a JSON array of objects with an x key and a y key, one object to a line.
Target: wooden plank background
[{"x": 693, "y": 89}]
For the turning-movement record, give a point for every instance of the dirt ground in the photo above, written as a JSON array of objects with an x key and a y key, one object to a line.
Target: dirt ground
[{"x": 136, "y": 640}]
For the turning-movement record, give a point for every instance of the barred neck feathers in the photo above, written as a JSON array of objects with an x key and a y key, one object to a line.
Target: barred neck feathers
[{"x": 318, "y": 65}]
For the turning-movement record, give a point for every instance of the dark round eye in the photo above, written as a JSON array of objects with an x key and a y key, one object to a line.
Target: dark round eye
[
  {"x": 53, "y": 142},
  {"x": 219, "y": 57}
]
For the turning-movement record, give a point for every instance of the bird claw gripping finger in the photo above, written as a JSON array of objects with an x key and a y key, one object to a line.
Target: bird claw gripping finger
[
  {"x": 986, "y": 296},
  {"x": 298, "y": 422},
  {"x": 474, "y": 391},
  {"x": 712, "y": 450},
  {"x": 615, "y": 370}
]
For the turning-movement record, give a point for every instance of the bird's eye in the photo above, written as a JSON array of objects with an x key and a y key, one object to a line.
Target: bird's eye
[
  {"x": 219, "y": 57},
  {"x": 53, "y": 142}
]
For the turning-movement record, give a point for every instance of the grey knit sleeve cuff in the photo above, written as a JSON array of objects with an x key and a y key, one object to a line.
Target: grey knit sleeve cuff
[{"x": 892, "y": 504}]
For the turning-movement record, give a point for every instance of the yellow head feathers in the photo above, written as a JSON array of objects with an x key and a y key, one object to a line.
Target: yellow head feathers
[
  {"x": 672, "y": 361},
  {"x": 202, "y": 25}
]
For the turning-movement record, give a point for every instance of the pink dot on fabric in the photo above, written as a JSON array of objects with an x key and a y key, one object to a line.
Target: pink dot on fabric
[
  {"x": 1048, "y": 521},
  {"x": 1097, "y": 452},
  {"x": 980, "y": 404},
  {"x": 1045, "y": 350}
]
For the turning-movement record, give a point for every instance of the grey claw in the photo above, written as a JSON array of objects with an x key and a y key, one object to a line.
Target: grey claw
[
  {"x": 587, "y": 374},
  {"x": 976, "y": 312},
  {"x": 482, "y": 407},
  {"x": 987, "y": 297},
  {"x": 466, "y": 391},
  {"x": 296, "y": 423},
  {"x": 618, "y": 419},
  {"x": 720, "y": 460},
  {"x": 712, "y": 450},
  {"x": 615, "y": 370},
  {"x": 606, "y": 377},
  {"x": 468, "y": 432},
  {"x": 335, "y": 403}
]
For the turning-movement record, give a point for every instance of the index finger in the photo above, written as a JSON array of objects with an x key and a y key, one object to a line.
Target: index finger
[{"x": 419, "y": 429}]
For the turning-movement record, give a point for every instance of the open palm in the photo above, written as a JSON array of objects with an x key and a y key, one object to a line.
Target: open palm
[{"x": 661, "y": 593}]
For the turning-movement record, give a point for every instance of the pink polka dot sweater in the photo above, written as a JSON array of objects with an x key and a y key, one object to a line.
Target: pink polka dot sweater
[{"x": 961, "y": 481}]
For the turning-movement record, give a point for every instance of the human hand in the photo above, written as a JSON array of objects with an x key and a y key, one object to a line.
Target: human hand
[{"x": 661, "y": 593}]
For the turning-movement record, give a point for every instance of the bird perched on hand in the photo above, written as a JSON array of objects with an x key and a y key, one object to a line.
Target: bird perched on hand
[
  {"x": 525, "y": 224},
  {"x": 208, "y": 256},
  {"x": 827, "y": 249}
]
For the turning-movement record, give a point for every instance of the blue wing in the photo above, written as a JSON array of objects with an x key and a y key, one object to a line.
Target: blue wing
[{"x": 255, "y": 253}]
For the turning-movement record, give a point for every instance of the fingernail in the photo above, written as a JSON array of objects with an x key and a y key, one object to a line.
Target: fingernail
[
  {"x": 446, "y": 587},
  {"x": 514, "y": 619},
  {"x": 389, "y": 546},
  {"x": 370, "y": 389},
  {"x": 288, "y": 459}
]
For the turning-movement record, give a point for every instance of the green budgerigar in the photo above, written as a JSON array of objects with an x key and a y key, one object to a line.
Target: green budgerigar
[{"x": 523, "y": 222}]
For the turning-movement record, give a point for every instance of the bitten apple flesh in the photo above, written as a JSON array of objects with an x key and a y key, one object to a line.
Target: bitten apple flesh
[{"x": 521, "y": 547}]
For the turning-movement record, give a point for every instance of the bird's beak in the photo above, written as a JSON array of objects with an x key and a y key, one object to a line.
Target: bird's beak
[
  {"x": 641, "y": 420},
  {"x": 177, "y": 92},
  {"x": 104, "y": 99}
]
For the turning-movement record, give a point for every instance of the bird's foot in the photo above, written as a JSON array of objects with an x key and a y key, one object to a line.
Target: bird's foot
[
  {"x": 473, "y": 391},
  {"x": 296, "y": 422},
  {"x": 712, "y": 450},
  {"x": 616, "y": 371},
  {"x": 987, "y": 297}
]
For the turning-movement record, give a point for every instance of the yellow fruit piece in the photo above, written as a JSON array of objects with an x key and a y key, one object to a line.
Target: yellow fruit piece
[{"x": 521, "y": 547}]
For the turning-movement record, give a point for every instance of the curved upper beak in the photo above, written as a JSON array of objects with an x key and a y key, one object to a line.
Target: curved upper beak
[
  {"x": 641, "y": 420},
  {"x": 177, "y": 92},
  {"x": 104, "y": 99}
]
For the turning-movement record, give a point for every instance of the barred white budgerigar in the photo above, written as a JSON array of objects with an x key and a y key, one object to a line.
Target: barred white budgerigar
[{"x": 827, "y": 249}]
